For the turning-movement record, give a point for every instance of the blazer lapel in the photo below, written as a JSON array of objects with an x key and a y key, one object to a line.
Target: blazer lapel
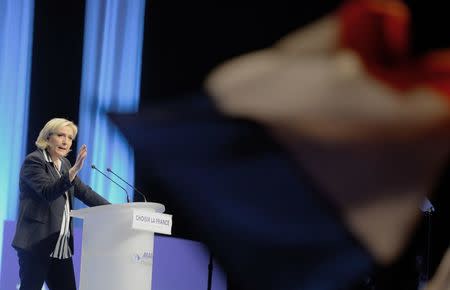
[
  {"x": 65, "y": 166},
  {"x": 50, "y": 165}
]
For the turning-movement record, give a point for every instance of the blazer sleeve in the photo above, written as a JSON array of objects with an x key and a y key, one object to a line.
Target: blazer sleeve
[
  {"x": 88, "y": 196},
  {"x": 35, "y": 175}
]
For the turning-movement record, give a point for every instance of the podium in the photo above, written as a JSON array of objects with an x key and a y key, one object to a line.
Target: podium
[{"x": 117, "y": 246}]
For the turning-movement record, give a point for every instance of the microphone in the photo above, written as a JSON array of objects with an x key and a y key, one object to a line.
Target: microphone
[
  {"x": 126, "y": 192},
  {"x": 135, "y": 189}
]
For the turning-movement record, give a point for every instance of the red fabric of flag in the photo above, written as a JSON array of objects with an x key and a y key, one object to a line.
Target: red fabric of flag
[{"x": 379, "y": 32}]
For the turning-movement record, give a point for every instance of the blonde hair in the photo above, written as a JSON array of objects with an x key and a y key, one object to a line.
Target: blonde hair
[{"x": 51, "y": 127}]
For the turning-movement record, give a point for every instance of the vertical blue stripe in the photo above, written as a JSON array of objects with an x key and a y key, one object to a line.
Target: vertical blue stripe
[
  {"x": 112, "y": 56},
  {"x": 16, "y": 32}
]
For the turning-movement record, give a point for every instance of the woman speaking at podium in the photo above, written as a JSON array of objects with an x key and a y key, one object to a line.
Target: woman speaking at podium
[{"x": 48, "y": 183}]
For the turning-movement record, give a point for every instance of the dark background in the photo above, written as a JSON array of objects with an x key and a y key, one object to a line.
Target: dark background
[{"x": 183, "y": 41}]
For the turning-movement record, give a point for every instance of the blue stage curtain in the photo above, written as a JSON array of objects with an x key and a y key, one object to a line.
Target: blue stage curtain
[
  {"x": 112, "y": 56},
  {"x": 16, "y": 34}
]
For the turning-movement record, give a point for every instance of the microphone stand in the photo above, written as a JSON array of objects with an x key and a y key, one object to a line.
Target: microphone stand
[
  {"x": 428, "y": 209},
  {"x": 428, "y": 215},
  {"x": 126, "y": 192},
  {"x": 143, "y": 195},
  {"x": 210, "y": 270}
]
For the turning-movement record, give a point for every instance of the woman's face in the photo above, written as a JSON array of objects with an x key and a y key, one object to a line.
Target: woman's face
[{"x": 60, "y": 141}]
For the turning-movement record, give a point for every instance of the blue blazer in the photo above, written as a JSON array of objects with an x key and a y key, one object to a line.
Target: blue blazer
[{"x": 42, "y": 201}]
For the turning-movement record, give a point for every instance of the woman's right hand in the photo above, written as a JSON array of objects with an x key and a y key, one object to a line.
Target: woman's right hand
[{"x": 82, "y": 154}]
